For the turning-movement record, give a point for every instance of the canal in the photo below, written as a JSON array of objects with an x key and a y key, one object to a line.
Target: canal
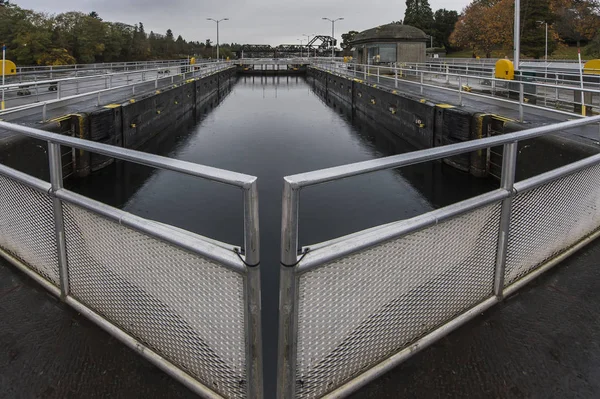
[{"x": 271, "y": 127}]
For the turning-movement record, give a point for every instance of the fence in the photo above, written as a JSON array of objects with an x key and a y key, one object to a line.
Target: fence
[
  {"x": 560, "y": 98},
  {"x": 103, "y": 88},
  {"x": 354, "y": 307},
  {"x": 189, "y": 304}
]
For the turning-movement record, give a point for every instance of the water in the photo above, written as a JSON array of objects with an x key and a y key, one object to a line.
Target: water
[{"x": 270, "y": 128}]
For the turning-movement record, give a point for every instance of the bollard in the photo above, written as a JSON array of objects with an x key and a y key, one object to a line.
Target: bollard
[
  {"x": 156, "y": 82},
  {"x": 421, "y": 82},
  {"x": 447, "y": 74},
  {"x": 110, "y": 82},
  {"x": 521, "y": 98},
  {"x": 44, "y": 113},
  {"x": 76, "y": 87},
  {"x": 377, "y": 74},
  {"x": 396, "y": 77},
  {"x": 98, "y": 100},
  {"x": 133, "y": 89},
  {"x": 58, "y": 90}
]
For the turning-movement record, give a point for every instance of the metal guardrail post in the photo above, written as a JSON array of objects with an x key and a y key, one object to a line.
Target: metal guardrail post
[
  {"x": 288, "y": 305},
  {"x": 56, "y": 181},
  {"x": 252, "y": 292},
  {"x": 98, "y": 100},
  {"x": 110, "y": 82},
  {"x": 460, "y": 91},
  {"x": 396, "y": 77},
  {"x": 421, "y": 82},
  {"x": 377, "y": 74},
  {"x": 44, "y": 112},
  {"x": 521, "y": 100},
  {"x": 76, "y": 87},
  {"x": 58, "y": 87},
  {"x": 509, "y": 166}
]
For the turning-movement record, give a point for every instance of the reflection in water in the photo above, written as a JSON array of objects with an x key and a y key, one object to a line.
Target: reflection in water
[{"x": 271, "y": 127}]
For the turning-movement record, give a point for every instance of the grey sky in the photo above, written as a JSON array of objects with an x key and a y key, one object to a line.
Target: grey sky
[{"x": 256, "y": 22}]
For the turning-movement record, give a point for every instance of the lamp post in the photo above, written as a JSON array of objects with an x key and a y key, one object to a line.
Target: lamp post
[
  {"x": 517, "y": 33},
  {"x": 300, "y": 40},
  {"x": 307, "y": 41},
  {"x": 217, "y": 21},
  {"x": 333, "y": 34},
  {"x": 544, "y": 22},
  {"x": 3, "y": 73}
]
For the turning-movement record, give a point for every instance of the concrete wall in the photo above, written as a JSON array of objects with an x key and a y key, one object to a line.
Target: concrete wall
[
  {"x": 421, "y": 123},
  {"x": 133, "y": 123}
]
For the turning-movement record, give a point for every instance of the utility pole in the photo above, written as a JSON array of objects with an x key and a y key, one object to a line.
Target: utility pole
[
  {"x": 217, "y": 21},
  {"x": 333, "y": 34}
]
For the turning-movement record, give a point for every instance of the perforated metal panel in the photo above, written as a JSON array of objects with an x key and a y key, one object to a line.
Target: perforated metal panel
[
  {"x": 551, "y": 218},
  {"x": 27, "y": 227},
  {"x": 359, "y": 310},
  {"x": 185, "y": 307}
]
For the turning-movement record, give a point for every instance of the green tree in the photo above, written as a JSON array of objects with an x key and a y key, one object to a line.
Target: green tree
[
  {"x": 419, "y": 14},
  {"x": 347, "y": 38},
  {"x": 593, "y": 49},
  {"x": 534, "y": 16},
  {"x": 444, "y": 22}
]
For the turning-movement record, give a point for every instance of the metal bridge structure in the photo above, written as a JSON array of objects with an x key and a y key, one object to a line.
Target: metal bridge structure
[{"x": 317, "y": 45}]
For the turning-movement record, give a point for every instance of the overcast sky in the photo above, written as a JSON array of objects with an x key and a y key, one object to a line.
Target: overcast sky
[{"x": 253, "y": 22}]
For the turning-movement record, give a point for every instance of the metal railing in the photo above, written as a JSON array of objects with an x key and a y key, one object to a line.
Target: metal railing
[
  {"x": 189, "y": 304},
  {"x": 356, "y": 306},
  {"x": 73, "y": 90},
  {"x": 557, "y": 98}
]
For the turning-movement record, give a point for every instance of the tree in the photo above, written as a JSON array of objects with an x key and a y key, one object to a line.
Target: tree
[
  {"x": 95, "y": 15},
  {"x": 534, "y": 16},
  {"x": 418, "y": 14},
  {"x": 347, "y": 38},
  {"x": 593, "y": 49},
  {"x": 444, "y": 22},
  {"x": 576, "y": 20},
  {"x": 482, "y": 26}
]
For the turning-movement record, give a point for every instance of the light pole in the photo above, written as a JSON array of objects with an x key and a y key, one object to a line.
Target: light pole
[
  {"x": 300, "y": 40},
  {"x": 517, "y": 34},
  {"x": 333, "y": 34},
  {"x": 544, "y": 22},
  {"x": 307, "y": 41},
  {"x": 217, "y": 21}
]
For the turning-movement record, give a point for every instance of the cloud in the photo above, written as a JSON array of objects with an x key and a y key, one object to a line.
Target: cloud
[{"x": 258, "y": 22}]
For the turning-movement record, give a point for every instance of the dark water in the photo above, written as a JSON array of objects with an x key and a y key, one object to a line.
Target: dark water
[{"x": 272, "y": 127}]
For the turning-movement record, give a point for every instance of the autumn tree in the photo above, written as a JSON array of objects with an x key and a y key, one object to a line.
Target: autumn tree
[
  {"x": 347, "y": 38},
  {"x": 576, "y": 20},
  {"x": 418, "y": 14},
  {"x": 483, "y": 26}
]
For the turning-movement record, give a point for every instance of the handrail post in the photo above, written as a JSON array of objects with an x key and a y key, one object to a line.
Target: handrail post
[
  {"x": 421, "y": 82},
  {"x": 58, "y": 90},
  {"x": 521, "y": 99},
  {"x": 396, "y": 76},
  {"x": 253, "y": 292},
  {"x": 56, "y": 181},
  {"x": 44, "y": 112},
  {"x": 460, "y": 91},
  {"x": 509, "y": 166},
  {"x": 377, "y": 74},
  {"x": 288, "y": 305}
]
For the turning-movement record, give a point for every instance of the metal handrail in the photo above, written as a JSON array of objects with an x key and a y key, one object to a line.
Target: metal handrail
[
  {"x": 295, "y": 262},
  {"x": 395, "y": 161}
]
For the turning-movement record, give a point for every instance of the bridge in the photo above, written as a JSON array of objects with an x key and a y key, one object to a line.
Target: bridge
[{"x": 353, "y": 306}]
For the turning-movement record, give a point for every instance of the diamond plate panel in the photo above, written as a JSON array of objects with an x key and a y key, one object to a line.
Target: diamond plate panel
[
  {"x": 27, "y": 227},
  {"x": 359, "y": 310},
  {"x": 551, "y": 218},
  {"x": 185, "y": 307}
]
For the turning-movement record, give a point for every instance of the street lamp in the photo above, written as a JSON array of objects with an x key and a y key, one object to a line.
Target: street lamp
[
  {"x": 308, "y": 41},
  {"x": 217, "y": 21},
  {"x": 300, "y": 40},
  {"x": 332, "y": 34}
]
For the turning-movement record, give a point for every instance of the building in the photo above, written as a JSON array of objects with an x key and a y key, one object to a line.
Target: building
[{"x": 387, "y": 44}]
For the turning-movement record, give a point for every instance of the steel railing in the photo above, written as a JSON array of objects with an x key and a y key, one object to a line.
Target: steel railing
[
  {"x": 72, "y": 90},
  {"x": 189, "y": 304},
  {"x": 557, "y": 98},
  {"x": 356, "y": 306}
]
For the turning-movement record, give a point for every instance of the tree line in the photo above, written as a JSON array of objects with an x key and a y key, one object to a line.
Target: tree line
[
  {"x": 487, "y": 25},
  {"x": 34, "y": 38}
]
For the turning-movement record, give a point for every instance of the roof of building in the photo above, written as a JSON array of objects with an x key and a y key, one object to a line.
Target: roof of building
[{"x": 390, "y": 32}]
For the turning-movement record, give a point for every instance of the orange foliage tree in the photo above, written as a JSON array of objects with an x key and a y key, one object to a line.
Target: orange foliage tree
[{"x": 485, "y": 26}]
